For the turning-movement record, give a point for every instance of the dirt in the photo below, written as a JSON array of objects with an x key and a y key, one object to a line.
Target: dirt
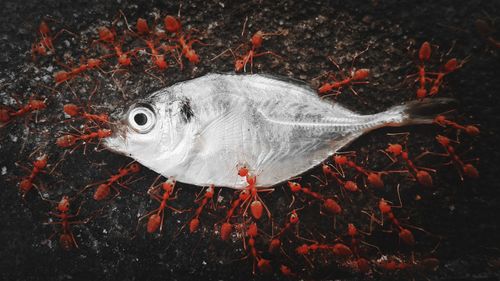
[{"x": 458, "y": 215}]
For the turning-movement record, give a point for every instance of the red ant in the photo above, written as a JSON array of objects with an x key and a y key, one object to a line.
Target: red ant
[
  {"x": 329, "y": 204},
  {"x": 404, "y": 234},
  {"x": 70, "y": 140},
  {"x": 122, "y": 57},
  {"x": 356, "y": 78},
  {"x": 275, "y": 243},
  {"x": 106, "y": 35},
  {"x": 27, "y": 183},
  {"x": 424, "y": 55},
  {"x": 423, "y": 177},
  {"x": 103, "y": 190},
  {"x": 156, "y": 216},
  {"x": 471, "y": 130},
  {"x": 73, "y": 110},
  {"x": 227, "y": 227},
  {"x": 6, "y": 114},
  {"x": 286, "y": 271},
  {"x": 373, "y": 178},
  {"x": 195, "y": 222},
  {"x": 66, "y": 239},
  {"x": 449, "y": 67},
  {"x": 361, "y": 264},
  {"x": 348, "y": 185},
  {"x": 467, "y": 169},
  {"x": 264, "y": 265},
  {"x": 256, "y": 42},
  {"x": 253, "y": 199},
  {"x": 45, "y": 45},
  {"x": 173, "y": 25},
  {"x": 157, "y": 58},
  {"x": 62, "y": 76},
  {"x": 338, "y": 249},
  {"x": 247, "y": 197}
]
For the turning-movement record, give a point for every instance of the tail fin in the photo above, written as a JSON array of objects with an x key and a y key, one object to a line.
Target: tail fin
[{"x": 421, "y": 111}]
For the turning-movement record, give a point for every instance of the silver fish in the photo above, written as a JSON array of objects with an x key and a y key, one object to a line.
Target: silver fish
[{"x": 200, "y": 130}]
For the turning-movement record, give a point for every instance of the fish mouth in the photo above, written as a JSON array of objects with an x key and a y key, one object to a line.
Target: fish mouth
[{"x": 116, "y": 141}]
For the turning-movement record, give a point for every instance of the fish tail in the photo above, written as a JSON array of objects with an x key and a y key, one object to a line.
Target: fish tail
[
  {"x": 424, "y": 111},
  {"x": 414, "y": 112}
]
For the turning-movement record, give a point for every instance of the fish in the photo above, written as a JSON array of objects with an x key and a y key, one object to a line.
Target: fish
[{"x": 201, "y": 130}]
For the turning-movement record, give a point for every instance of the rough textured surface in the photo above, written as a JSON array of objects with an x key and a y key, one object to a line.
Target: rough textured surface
[{"x": 463, "y": 213}]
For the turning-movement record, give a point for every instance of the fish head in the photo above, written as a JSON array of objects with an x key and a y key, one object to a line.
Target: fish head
[{"x": 148, "y": 131}]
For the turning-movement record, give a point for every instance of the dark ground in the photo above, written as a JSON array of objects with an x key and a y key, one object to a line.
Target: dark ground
[{"x": 463, "y": 213}]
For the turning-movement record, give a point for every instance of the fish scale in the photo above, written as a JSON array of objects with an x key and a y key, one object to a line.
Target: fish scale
[{"x": 202, "y": 129}]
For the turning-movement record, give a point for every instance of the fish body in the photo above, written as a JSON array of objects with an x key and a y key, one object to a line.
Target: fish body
[{"x": 199, "y": 131}]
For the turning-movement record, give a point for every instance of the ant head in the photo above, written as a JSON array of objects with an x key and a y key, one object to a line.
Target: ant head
[
  {"x": 294, "y": 186},
  {"x": 93, "y": 63},
  {"x": 41, "y": 162},
  {"x": 135, "y": 168},
  {"x": 340, "y": 159},
  {"x": 124, "y": 60},
  {"x": 244, "y": 194},
  {"x": 169, "y": 185},
  {"x": 193, "y": 57},
  {"x": 210, "y": 191},
  {"x": 326, "y": 169},
  {"x": 40, "y": 48},
  {"x": 160, "y": 62},
  {"x": 238, "y": 65},
  {"x": 351, "y": 229},
  {"x": 243, "y": 171},
  {"x": 384, "y": 206},
  {"x": 106, "y": 133},
  {"x": 351, "y": 186},
  {"x": 443, "y": 140},
  {"x": 63, "y": 205},
  {"x": 394, "y": 149},
  {"x": 440, "y": 119},
  {"x": 294, "y": 217},
  {"x": 302, "y": 249},
  {"x": 43, "y": 28}
]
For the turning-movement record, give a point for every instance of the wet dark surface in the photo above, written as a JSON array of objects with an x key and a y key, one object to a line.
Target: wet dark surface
[{"x": 462, "y": 214}]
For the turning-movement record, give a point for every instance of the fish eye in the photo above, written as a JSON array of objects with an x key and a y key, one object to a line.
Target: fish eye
[{"x": 142, "y": 119}]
